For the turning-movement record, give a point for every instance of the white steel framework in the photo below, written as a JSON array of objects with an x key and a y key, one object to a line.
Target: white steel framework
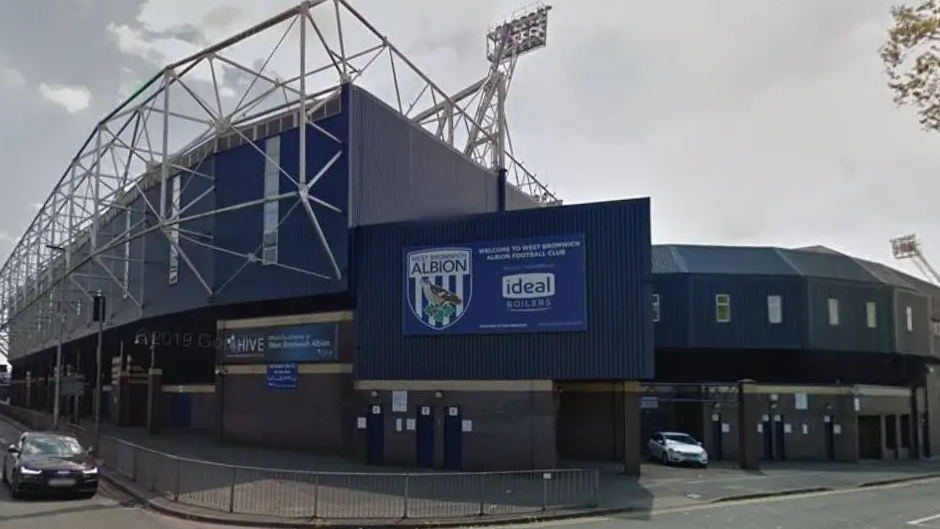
[{"x": 290, "y": 66}]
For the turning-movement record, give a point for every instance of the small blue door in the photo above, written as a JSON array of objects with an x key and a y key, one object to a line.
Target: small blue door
[
  {"x": 767, "y": 433},
  {"x": 181, "y": 410},
  {"x": 424, "y": 437},
  {"x": 375, "y": 430},
  {"x": 453, "y": 439}
]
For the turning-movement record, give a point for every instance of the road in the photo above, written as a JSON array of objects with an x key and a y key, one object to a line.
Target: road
[
  {"x": 907, "y": 506},
  {"x": 108, "y": 510}
]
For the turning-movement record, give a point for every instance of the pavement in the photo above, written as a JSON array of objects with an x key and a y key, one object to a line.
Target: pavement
[
  {"x": 110, "y": 509},
  {"x": 909, "y": 505},
  {"x": 271, "y": 495}
]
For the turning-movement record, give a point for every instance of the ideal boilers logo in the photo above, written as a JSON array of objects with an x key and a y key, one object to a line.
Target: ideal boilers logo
[
  {"x": 531, "y": 292},
  {"x": 439, "y": 285}
]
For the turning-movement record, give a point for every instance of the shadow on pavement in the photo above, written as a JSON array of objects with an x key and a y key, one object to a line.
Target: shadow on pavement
[
  {"x": 359, "y": 492},
  {"x": 79, "y": 507}
]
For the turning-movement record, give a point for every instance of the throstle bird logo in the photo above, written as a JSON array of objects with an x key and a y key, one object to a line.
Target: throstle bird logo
[{"x": 439, "y": 285}]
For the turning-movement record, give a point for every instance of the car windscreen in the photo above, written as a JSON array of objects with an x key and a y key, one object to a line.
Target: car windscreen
[
  {"x": 681, "y": 438},
  {"x": 52, "y": 446}
]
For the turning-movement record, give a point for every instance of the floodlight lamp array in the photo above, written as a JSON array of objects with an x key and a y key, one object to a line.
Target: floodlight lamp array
[
  {"x": 523, "y": 34},
  {"x": 904, "y": 247}
]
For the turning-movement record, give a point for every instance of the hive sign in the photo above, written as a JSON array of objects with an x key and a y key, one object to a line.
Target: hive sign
[{"x": 513, "y": 286}]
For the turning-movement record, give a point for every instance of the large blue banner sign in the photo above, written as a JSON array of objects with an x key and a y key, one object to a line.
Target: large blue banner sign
[
  {"x": 516, "y": 286},
  {"x": 315, "y": 342}
]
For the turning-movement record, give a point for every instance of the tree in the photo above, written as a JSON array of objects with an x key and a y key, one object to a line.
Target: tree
[{"x": 911, "y": 55}]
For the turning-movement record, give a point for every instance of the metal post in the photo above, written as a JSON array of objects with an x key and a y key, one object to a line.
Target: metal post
[
  {"x": 99, "y": 311},
  {"x": 56, "y": 408},
  {"x": 60, "y": 331},
  {"x": 150, "y": 375}
]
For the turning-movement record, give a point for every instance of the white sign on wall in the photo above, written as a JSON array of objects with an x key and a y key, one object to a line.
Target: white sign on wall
[{"x": 399, "y": 401}]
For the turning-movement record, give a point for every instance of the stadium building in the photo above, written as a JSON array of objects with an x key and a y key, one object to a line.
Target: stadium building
[
  {"x": 316, "y": 268},
  {"x": 303, "y": 264}
]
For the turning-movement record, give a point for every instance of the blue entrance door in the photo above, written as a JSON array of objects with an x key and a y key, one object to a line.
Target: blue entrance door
[
  {"x": 375, "y": 430},
  {"x": 424, "y": 437},
  {"x": 453, "y": 439}
]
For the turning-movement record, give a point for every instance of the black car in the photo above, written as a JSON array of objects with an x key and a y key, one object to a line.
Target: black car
[{"x": 51, "y": 463}]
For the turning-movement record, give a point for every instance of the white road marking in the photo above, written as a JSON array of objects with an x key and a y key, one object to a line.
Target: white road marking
[{"x": 924, "y": 519}]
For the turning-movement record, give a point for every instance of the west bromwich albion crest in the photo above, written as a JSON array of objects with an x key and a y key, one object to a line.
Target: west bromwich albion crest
[{"x": 440, "y": 285}]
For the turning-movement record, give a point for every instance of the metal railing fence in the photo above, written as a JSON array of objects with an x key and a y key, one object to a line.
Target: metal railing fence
[{"x": 307, "y": 495}]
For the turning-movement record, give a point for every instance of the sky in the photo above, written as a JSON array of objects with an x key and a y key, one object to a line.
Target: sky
[{"x": 763, "y": 123}]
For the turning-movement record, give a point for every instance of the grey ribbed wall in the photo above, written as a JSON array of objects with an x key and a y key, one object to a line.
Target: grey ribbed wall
[{"x": 398, "y": 171}]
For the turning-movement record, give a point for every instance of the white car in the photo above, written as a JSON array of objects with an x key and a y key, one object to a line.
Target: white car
[{"x": 677, "y": 448}]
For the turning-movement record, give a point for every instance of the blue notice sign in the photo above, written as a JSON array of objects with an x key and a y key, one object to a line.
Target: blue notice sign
[
  {"x": 314, "y": 342},
  {"x": 513, "y": 286},
  {"x": 282, "y": 376}
]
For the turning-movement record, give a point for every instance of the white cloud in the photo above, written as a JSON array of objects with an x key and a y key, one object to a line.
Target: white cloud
[
  {"x": 11, "y": 77},
  {"x": 6, "y": 237},
  {"x": 73, "y": 99}
]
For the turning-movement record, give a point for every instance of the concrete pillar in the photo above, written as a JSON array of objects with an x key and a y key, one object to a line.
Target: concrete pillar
[
  {"x": 884, "y": 438},
  {"x": 121, "y": 394},
  {"x": 631, "y": 427},
  {"x": 154, "y": 404},
  {"x": 748, "y": 417},
  {"x": 846, "y": 418},
  {"x": 929, "y": 419},
  {"x": 902, "y": 452},
  {"x": 42, "y": 394},
  {"x": 28, "y": 398}
]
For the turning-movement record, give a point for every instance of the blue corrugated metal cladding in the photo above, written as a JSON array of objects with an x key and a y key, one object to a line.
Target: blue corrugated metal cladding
[
  {"x": 617, "y": 344},
  {"x": 304, "y": 261},
  {"x": 143, "y": 263},
  {"x": 773, "y": 298}
]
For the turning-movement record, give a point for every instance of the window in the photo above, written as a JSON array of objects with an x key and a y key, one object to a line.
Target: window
[
  {"x": 175, "y": 195},
  {"x": 127, "y": 252},
  {"x": 833, "y": 311},
  {"x": 909, "y": 318},
  {"x": 935, "y": 327},
  {"x": 722, "y": 308},
  {"x": 272, "y": 188},
  {"x": 655, "y": 307},
  {"x": 775, "y": 309},
  {"x": 871, "y": 314}
]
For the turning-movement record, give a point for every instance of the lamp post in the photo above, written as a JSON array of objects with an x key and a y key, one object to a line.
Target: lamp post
[
  {"x": 98, "y": 313},
  {"x": 152, "y": 339},
  {"x": 60, "y": 330}
]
